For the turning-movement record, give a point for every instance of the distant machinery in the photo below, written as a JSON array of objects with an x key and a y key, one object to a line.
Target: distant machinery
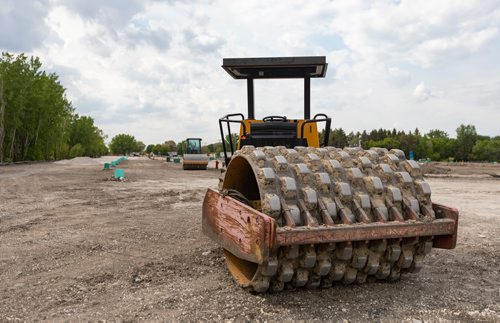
[{"x": 193, "y": 158}]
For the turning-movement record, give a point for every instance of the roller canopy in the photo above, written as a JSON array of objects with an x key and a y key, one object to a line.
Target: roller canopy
[
  {"x": 275, "y": 67},
  {"x": 305, "y": 67}
]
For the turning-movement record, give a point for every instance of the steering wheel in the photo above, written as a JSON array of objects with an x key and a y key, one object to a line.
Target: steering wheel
[{"x": 274, "y": 118}]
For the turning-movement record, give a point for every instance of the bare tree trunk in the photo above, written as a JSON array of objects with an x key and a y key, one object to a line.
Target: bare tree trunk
[
  {"x": 37, "y": 130},
  {"x": 12, "y": 144},
  {"x": 2, "y": 118},
  {"x": 26, "y": 147},
  {"x": 28, "y": 142}
]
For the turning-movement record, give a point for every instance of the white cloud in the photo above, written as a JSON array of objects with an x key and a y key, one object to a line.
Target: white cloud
[
  {"x": 422, "y": 93},
  {"x": 438, "y": 49},
  {"x": 152, "y": 68},
  {"x": 399, "y": 76},
  {"x": 22, "y": 25}
]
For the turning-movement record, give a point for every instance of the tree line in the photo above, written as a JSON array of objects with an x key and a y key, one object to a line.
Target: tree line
[
  {"x": 435, "y": 145},
  {"x": 37, "y": 121}
]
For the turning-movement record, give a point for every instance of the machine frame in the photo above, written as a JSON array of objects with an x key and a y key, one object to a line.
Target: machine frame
[{"x": 293, "y": 132}]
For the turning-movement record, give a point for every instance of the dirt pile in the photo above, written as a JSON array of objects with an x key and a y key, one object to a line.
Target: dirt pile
[
  {"x": 79, "y": 161},
  {"x": 435, "y": 169}
]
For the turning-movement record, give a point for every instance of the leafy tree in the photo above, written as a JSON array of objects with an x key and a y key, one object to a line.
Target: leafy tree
[
  {"x": 487, "y": 150},
  {"x": 181, "y": 147},
  {"x": 338, "y": 138},
  {"x": 123, "y": 144},
  {"x": 161, "y": 149},
  {"x": 466, "y": 138},
  {"x": 435, "y": 133},
  {"x": 441, "y": 146},
  {"x": 234, "y": 139},
  {"x": 364, "y": 137},
  {"x": 140, "y": 146},
  {"x": 353, "y": 139},
  {"x": 388, "y": 142},
  {"x": 34, "y": 111},
  {"x": 2, "y": 117},
  {"x": 171, "y": 145},
  {"x": 76, "y": 151},
  {"x": 149, "y": 149},
  {"x": 214, "y": 148},
  {"x": 211, "y": 148},
  {"x": 83, "y": 131}
]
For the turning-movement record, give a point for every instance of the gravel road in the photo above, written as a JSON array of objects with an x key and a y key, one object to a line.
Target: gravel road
[{"x": 76, "y": 245}]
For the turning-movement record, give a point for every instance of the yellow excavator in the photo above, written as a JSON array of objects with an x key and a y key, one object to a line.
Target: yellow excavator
[
  {"x": 293, "y": 212},
  {"x": 193, "y": 158}
]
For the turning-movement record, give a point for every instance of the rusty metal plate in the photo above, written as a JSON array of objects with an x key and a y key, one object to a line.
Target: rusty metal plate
[
  {"x": 451, "y": 213},
  {"x": 243, "y": 231},
  {"x": 250, "y": 234},
  {"x": 362, "y": 232}
]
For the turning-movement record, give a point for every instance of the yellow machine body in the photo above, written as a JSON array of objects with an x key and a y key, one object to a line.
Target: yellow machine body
[{"x": 310, "y": 131}]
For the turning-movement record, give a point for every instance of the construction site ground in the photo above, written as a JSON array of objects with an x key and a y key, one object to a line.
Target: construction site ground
[{"x": 76, "y": 245}]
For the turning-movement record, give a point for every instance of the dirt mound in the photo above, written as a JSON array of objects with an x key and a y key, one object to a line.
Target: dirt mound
[
  {"x": 434, "y": 168},
  {"x": 83, "y": 161}
]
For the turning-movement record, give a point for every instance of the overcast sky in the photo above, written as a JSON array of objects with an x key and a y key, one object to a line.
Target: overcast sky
[{"x": 152, "y": 68}]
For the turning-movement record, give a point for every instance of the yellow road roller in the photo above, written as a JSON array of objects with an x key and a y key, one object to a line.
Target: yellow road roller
[{"x": 293, "y": 212}]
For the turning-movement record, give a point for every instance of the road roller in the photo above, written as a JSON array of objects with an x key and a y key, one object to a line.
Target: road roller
[
  {"x": 293, "y": 212},
  {"x": 193, "y": 158}
]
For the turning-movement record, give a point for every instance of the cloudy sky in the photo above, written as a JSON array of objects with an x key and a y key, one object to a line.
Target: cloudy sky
[{"x": 152, "y": 68}]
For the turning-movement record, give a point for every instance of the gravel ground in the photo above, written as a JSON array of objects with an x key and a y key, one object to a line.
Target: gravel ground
[{"x": 76, "y": 245}]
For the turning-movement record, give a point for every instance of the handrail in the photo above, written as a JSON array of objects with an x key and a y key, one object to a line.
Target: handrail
[
  {"x": 316, "y": 119},
  {"x": 320, "y": 117},
  {"x": 227, "y": 120}
]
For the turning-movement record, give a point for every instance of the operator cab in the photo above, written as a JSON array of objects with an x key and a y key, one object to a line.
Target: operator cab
[
  {"x": 193, "y": 145},
  {"x": 275, "y": 130}
]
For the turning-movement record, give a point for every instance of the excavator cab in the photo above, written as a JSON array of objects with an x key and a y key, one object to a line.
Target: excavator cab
[{"x": 293, "y": 212}]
